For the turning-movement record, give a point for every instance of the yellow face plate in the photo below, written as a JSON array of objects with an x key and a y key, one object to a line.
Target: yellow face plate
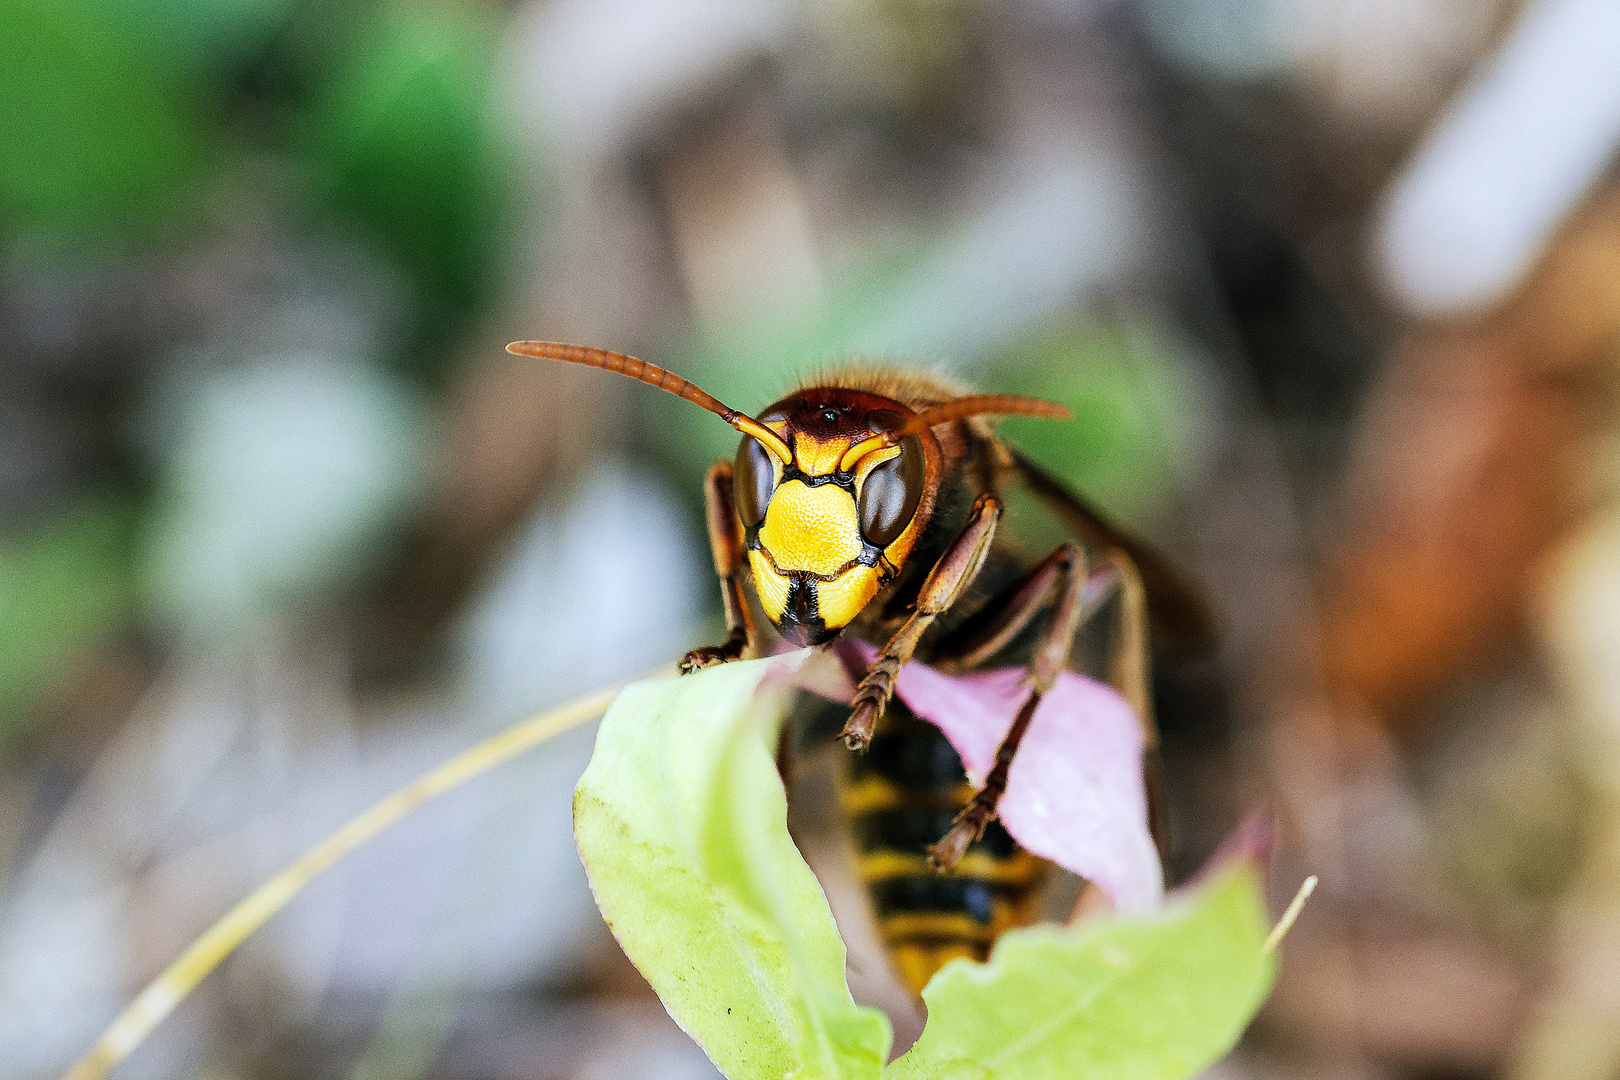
[
  {"x": 771, "y": 586},
  {"x": 810, "y": 538},
  {"x": 843, "y": 598},
  {"x": 814, "y": 529}
]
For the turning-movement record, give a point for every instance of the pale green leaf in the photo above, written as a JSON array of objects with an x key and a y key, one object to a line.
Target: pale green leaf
[
  {"x": 681, "y": 822},
  {"x": 1152, "y": 998}
]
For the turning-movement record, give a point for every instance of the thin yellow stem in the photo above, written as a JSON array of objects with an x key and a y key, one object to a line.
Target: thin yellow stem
[
  {"x": 1288, "y": 917},
  {"x": 170, "y": 988}
]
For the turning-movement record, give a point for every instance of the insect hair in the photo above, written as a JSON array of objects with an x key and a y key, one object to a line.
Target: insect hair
[{"x": 912, "y": 386}]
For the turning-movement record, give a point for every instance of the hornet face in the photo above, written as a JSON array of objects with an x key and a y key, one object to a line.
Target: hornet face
[{"x": 823, "y": 532}]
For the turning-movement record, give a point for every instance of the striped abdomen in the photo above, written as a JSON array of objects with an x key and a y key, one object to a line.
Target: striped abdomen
[{"x": 900, "y": 797}]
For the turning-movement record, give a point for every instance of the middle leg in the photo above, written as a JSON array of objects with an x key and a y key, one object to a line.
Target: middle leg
[{"x": 1081, "y": 592}]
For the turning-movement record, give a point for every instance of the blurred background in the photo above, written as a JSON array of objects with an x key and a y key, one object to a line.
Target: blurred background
[{"x": 1333, "y": 287}]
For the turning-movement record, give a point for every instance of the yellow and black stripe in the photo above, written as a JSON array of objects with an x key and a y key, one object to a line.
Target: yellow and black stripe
[{"x": 902, "y": 796}]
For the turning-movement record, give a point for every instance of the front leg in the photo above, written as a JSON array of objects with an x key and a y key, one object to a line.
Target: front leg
[
  {"x": 953, "y": 573},
  {"x": 726, "y": 542}
]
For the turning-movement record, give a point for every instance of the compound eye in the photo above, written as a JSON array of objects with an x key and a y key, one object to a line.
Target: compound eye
[
  {"x": 752, "y": 480},
  {"x": 890, "y": 494},
  {"x": 881, "y": 420},
  {"x": 782, "y": 410}
]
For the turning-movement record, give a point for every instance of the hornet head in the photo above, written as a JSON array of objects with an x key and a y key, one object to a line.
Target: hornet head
[{"x": 832, "y": 486}]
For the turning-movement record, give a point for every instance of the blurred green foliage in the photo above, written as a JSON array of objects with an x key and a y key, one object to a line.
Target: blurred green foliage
[
  {"x": 64, "y": 588},
  {"x": 95, "y": 140},
  {"x": 399, "y": 141},
  {"x": 121, "y": 121},
  {"x": 200, "y": 45},
  {"x": 120, "y": 114},
  {"x": 1137, "y": 418}
]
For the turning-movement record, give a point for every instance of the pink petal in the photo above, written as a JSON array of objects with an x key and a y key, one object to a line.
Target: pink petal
[{"x": 1074, "y": 793}]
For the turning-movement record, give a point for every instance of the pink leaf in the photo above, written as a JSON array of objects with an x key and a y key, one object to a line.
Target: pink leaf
[{"x": 1074, "y": 793}]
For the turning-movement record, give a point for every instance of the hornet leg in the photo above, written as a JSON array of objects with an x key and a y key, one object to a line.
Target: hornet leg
[
  {"x": 953, "y": 573},
  {"x": 1078, "y": 596},
  {"x": 726, "y": 541}
]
